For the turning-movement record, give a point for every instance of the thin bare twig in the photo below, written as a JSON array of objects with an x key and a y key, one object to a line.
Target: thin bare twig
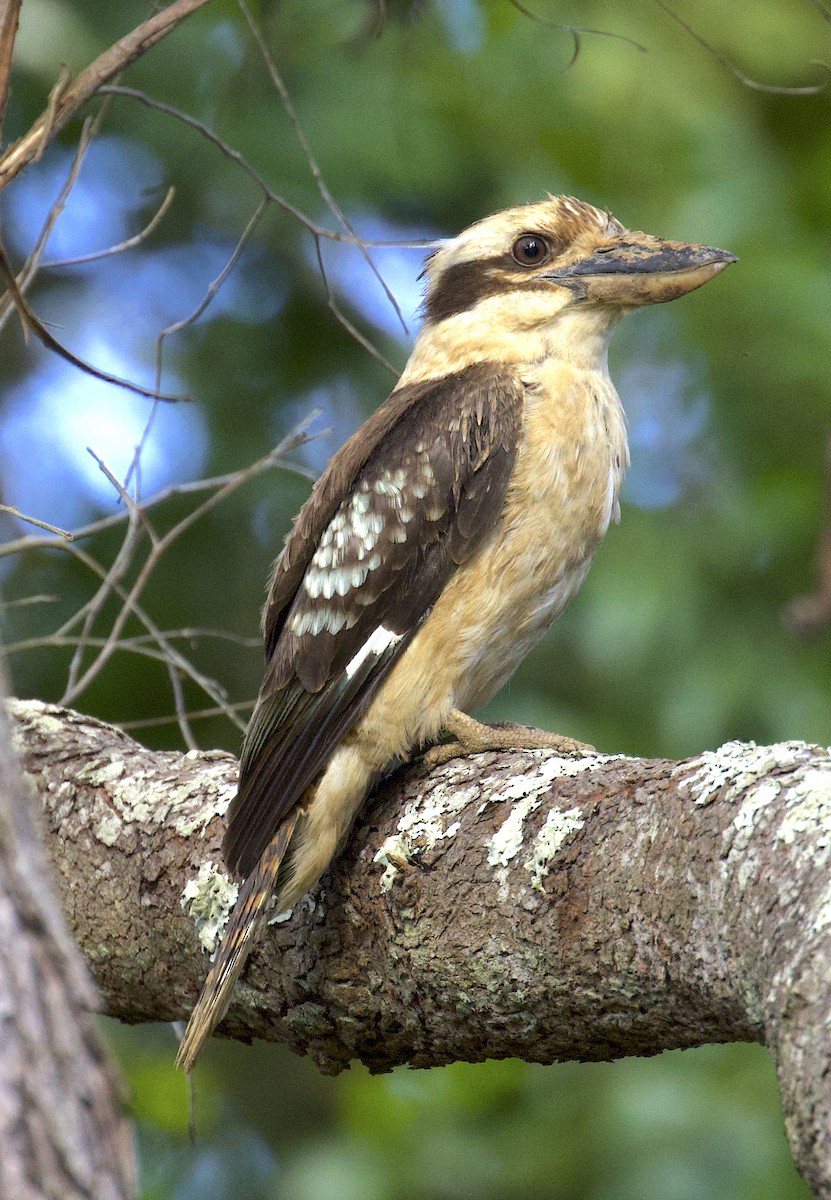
[
  {"x": 142, "y": 643},
  {"x": 214, "y": 285},
  {"x": 178, "y": 326},
  {"x": 51, "y": 641},
  {"x": 773, "y": 89},
  {"x": 198, "y": 715},
  {"x": 154, "y": 642},
  {"x": 30, "y": 268},
  {"x": 26, "y": 601},
  {"x": 84, "y": 86},
  {"x": 341, "y": 316},
  {"x": 251, "y": 171},
  {"x": 158, "y": 547},
  {"x": 15, "y": 512},
  {"x": 114, "y": 575},
  {"x": 9, "y": 18},
  {"x": 317, "y": 174},
  {"x": 576, "y": 32},
  {"x": 130, "y": 607},
  {"x": 50, "y": 115},
  {"x": 181, "y": 707},
  {"x": 273, "y": 459},
  {"x": 50, "y": 342},
  {"x": 234, "y": 155},
  {"x": 120, "y": 247},
  {"x": 317, "y": 231}
]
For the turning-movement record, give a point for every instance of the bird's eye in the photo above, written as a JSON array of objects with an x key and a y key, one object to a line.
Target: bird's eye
[{"x": 530, "y": 250}]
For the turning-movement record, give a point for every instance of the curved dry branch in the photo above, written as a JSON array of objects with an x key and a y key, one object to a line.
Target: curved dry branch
[
  {"x": 66, "y": 100},
  {"x": 551, "y": 909}
]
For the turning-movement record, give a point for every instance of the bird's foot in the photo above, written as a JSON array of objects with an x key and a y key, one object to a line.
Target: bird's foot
[{"x": 474, "y": 737}]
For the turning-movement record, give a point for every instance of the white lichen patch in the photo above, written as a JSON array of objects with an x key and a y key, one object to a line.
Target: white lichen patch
[
  {"x": 35, "y": 712},
  {"x": 547, "y": 768},
  {"x": 208, "y": 899},
  {"x": 525, "y": 793},
  {"x": 142, "y": 798},
  {"x": 393, "y": 856},
  {"x": 280, "y": 918},
  {"x": 107, "y": 830},
  {"x": 735, "y": 767},
  {"x": 186, "y": 807},
  {"x": 822, "y": 917},
  {"x": 739, "y": 833},
  {"x": 557, "y": 830},
  {"x": 755, "y": 800},
  {"x": 215, "y": 798},
  {"x": 423, "y": 823},
  {"x": 808, "y": 813},
  {"x": 803, "y": 811},
  {"x": 505, "y": 844},
  {"x": 106, "y": 774},
  {"x": 132, "y": 797}
]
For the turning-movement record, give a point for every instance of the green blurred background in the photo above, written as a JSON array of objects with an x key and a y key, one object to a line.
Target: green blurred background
[{"x": 423, "y": 117}]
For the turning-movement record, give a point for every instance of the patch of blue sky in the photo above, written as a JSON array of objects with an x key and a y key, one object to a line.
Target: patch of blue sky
[
  {"x": 464, "y": 23},
  {"x": 225, "y": 49},
  {"x": 110, "y": 312},
  {"x": 116, "y": 178},
  {"x": 119, "y": 180},
  {"x": 669, "y": 414},
  {"x": 150, "y": 289},
  {"x": 353, "y": 280},
  {"x": 51, "y": 418},
  {"x": 341, "y": 412}
]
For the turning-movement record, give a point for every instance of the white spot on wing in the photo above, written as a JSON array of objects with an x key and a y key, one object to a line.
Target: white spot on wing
[
  {"x": 377, "y": 643},
  {"x": 315, "y": 621}
]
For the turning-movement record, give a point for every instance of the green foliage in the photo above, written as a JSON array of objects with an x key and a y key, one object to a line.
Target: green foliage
[{"x": 452, "y": 110}]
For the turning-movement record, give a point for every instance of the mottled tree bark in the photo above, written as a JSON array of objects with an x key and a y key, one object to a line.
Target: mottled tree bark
[
  {"x": 63, "y": 1134},
  {"x": 553, "y": 909}
]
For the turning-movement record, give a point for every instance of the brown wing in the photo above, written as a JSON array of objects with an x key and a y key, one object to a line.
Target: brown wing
[{"x": 407, "y": 500}]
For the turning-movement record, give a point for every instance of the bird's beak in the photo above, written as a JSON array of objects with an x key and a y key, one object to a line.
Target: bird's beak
[{"x": 636, "y": 268}]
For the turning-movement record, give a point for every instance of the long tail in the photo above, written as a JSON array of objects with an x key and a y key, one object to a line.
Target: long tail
[{"x": 237, "y": 943}]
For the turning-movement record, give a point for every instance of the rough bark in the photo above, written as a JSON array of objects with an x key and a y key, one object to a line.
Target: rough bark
[
  {"x": 556, "y": 908},
  {"x": 62, "y": 1130}
]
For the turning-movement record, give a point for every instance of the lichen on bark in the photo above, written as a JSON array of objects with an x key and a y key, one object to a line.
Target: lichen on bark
[{"x": 517, "y": 904}]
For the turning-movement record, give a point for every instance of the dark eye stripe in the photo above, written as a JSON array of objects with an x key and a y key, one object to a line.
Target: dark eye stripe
[{"x": 463, "y": 285}]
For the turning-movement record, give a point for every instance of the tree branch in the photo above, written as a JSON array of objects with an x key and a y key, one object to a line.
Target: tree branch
[
  {"x": 66, "y": 102},
  {"x": 62, "y": 1128},
  {"x": 9, "y": 18},
  {"x": 556, "y": 909}
]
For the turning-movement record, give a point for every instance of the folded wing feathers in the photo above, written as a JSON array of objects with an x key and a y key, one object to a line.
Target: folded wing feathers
[{"x": 358, "y": 576}]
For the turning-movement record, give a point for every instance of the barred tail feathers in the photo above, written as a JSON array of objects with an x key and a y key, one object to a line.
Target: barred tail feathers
[{"x": 237, "y": 943}]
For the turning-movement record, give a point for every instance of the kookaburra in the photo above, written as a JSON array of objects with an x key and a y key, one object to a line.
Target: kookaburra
[{"x": 441, "y": 541}]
